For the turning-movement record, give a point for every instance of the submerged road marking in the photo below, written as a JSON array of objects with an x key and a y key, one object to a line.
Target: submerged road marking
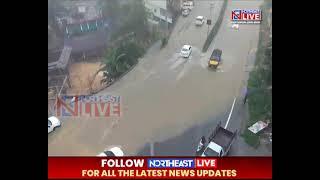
[{"x": 230, "y": 112}]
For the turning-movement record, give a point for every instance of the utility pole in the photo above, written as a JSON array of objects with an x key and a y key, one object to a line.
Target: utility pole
[
  {"x": 211, "y": 7},
  {"x": 167, "y": 25},
  {"x": 208, "y": 31}
]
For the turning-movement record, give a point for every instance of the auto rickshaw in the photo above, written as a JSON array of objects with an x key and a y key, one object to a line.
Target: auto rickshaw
[{"x": 215, "y": 59}]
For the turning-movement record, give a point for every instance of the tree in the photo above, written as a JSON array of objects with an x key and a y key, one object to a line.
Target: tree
[
  {"x": 118, "y": 60},
  {"x": 133, "y": 50},
  {"x": 137, "y": 19},
  {"x": 113, "y": 64},
  {"x": 133, "y": 18},
  {"x": 110, "y": 9}
]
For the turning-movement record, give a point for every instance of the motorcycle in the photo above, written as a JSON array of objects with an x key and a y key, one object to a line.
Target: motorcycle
[{"x": 201, "y": 146}]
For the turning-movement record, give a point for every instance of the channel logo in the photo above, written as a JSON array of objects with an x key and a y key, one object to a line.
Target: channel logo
[{"x": 246, "y": 16}]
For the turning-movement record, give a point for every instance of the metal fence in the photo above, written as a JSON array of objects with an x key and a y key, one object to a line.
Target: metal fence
[{"x": 60, "y": 87}]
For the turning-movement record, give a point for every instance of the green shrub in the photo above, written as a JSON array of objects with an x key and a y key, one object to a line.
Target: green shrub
[
  {"x": 251, "y": 138},
  {"x": 260, "y": 98},
  {"x": 119, "y": 60}
]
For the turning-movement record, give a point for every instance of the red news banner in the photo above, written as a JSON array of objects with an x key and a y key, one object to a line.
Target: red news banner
[{"x": 159, "y": 168}]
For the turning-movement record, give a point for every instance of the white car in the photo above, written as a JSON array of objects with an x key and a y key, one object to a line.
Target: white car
[
  {"x": 199, "y": 20},
  {"x": 186, "y": 51},
  {"x": 53, "y": 122},
  {"x": 185, "y": 12},
  {"x": 235, "y": 26},
  {"x": 114, "y": 151}
]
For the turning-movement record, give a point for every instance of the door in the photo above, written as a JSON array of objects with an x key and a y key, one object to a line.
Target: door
[{"x": 50, "y": 126}]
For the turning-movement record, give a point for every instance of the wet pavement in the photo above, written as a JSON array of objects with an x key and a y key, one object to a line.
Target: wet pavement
[{"x": 168, "y": 100}]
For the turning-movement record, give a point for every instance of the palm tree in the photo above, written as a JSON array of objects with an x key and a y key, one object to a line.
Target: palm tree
[
  {"x": 118, "y": 60},
  {"x": 114, "y": 65}
]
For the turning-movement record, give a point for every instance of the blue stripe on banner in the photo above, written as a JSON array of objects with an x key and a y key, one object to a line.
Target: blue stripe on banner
[{"x": 171, "y": 163}]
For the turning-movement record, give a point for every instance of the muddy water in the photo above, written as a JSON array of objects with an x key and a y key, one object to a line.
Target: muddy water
[{"x": 165, "y": 94}]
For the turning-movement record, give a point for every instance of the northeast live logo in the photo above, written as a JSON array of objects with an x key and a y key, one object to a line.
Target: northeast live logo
[
  {"x": 181, "y": 163},
  {"x": 236, "y": 14},
  {"x": 246, "y": 15}
]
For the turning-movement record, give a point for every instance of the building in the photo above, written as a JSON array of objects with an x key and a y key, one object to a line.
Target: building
[
  {"x": 85, "y": 16},
  {"x": 158, "y": 12},
  {"x": 270, "y": 21},
  {"x": 82, "y": 10}
]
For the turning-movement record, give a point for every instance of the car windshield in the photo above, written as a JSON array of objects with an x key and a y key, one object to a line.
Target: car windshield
[
  {"x": 49, "y": 123},
  {"x": 210, "y": 152},
  {"x": 199, "y": 19},
  {"x": 185, "y": 49},
  {"x": 109, "y": 153}
]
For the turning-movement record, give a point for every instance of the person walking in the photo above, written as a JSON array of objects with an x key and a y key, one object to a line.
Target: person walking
[
  {"x": 245, "y": 95},
  {"x": 201, "y": 146},
  {"x": 203, "y": 140}
]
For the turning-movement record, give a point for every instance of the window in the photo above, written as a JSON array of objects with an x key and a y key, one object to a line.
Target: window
[
  {"x": 109, "y": 153},
  {"x": 162, "y": 12},
  {"x": 49, "y": 123},
  {"x": 155, "y": 18},
  {"x": 210, "y": 152}
]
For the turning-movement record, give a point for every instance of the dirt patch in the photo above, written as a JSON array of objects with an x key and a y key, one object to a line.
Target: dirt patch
[{"x": 81, "y": 75}]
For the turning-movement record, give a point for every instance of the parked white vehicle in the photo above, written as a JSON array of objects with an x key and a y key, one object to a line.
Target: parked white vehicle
[
  {"x": 186, "y": 51},
  {"x": 235, "y": 26},
  {"x": 53, "y": 122},
  {"x": 185, "y": 12},
  {"x": 199, "y": 20},
  {"x": 114, "y": 151}
]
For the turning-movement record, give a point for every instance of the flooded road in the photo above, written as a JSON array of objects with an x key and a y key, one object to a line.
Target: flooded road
[{"x": 165, "y": 95}]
